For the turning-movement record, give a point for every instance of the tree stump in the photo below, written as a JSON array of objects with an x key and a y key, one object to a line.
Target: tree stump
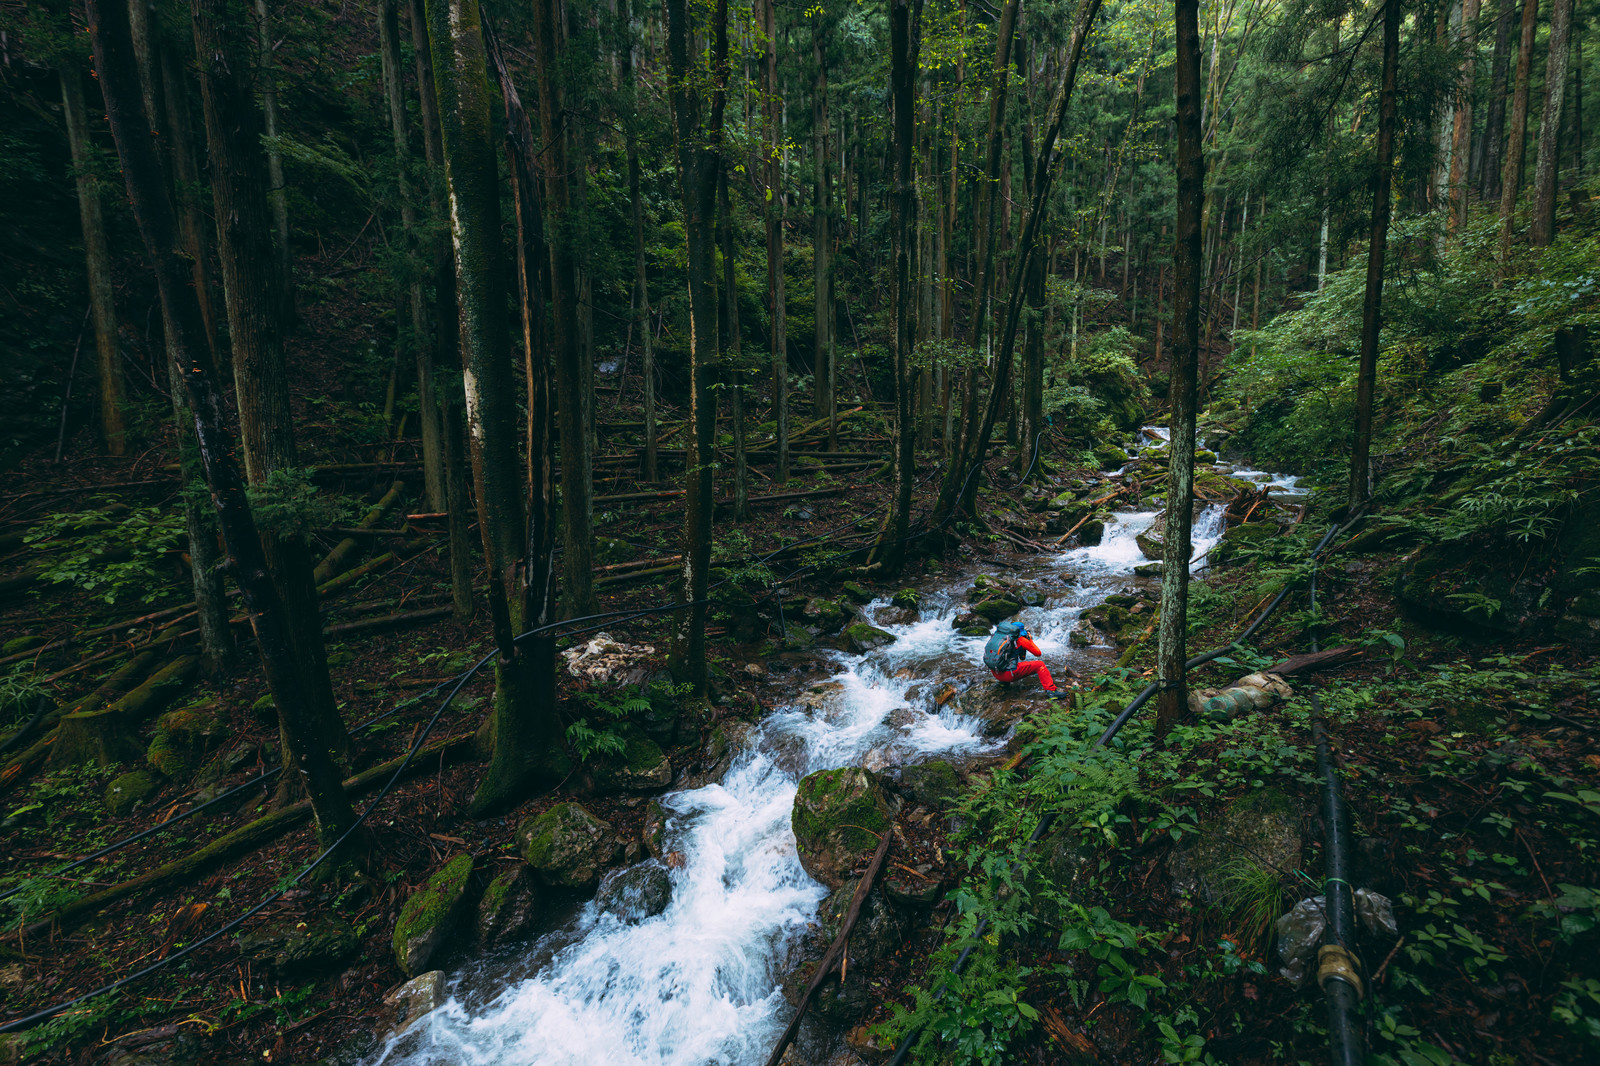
[{"x": 100, "y": 737}]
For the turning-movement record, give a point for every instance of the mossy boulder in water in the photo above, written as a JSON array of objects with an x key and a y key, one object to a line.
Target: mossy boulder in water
[
  {"x": 861, "y": 638},
  {"x": 836, "y": 817},
  {"x": 431, "y": 915},
  {"x": 183, "y": 738},
  {"x": 997, "y": 609},
  {"x": 636, "y": 893},
  {"x": 509, "y": 908},
  {"x": 569, "y": 846},
  {"x": 1109, "y": 456},
  {"x": 907, "y": 599},
  {"x": 826, "y": 615},
  {"x": 856, "y": 593}
]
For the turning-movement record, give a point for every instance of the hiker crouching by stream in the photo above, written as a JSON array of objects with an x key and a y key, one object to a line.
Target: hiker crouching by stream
[{"x": 1003, "y": 656}]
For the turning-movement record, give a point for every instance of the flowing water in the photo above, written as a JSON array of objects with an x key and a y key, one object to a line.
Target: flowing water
[{"x": 699, "y": 982}]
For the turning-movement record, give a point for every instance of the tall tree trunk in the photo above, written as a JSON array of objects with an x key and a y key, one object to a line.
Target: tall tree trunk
[
  {"x": 278, "y": 192},
  {"x": 251, "y": 283},
  {"x": 641, "y": 278},
  {"x": 1511, "y": 172},
  {"x": 904, "y": 19},
  {"x": 1543, "y": 230},
  {"x": 1032, "y": 223},
  {"x": 141, "y": 169},
  {"x": 525, "y": 755},
  {"x": 1494, "y": 123},
  {"x": 733, "y": 371},
  {"x": 1461, "y": 135},
  {"x": 97, "y": 261},
  {"x": 446, "y": 349},
  {"x": 821, "y": 237},
  {"x": 960, "y": 472},
  {"x": 158, "y": 77},
  {"x": 428, "y": 416},
  {"x": 697, "y": 139},
  {"x": 773, "y": 212},
  {"x": 1171, "y": 700},
  {"x": 1372, "y": 305},
  {"x": 577, "y": 459}
]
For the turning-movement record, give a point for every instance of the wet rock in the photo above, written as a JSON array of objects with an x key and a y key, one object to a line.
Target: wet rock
[
  {"x": 182, "y": 738},
  {"x": 861, "y": 638},
  {"x": 981, "y": 630},
  {"x": 907, "y": 599},
  {"x": 607, "y": 661},
  {"x": 1150, "y": 569},
  {"x": 818, "y": 695},
  {"x": 1150, "y": 543},
  {"x": 642, "y": 765},
  {"x": 997, "y": 609},
  {"x": 1092, "y": 532},
  {"x": 1109, "y": 456},
  {"x": 299, "y": 946},
  {"x": 569, "y": 846},
  {"x": 127, "y": 791},
  {"x": 411, "y": 1002},
  {"x": 636, "y": 893},
  {"x": 1000, "y": 705},
  {"x": 878, "y": 932},
  {"x": 431, "y": 916},
  {"x": 855, "y": 593},
  {"x": 826, "y": 615},
  {"x": 654, "y": 833},
  {"x": 934, "y": 784},
  {"x": 1261, "y": 829},
  {"x": 836, "y": 817},
  {"x": 508, "y": 911},
  {"x": 897, "y": 616}
]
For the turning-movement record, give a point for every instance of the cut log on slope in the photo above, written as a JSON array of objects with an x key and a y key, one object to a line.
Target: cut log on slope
[
  {"x": 124, "y": 679},
  {"x": 241, "y": 841}
]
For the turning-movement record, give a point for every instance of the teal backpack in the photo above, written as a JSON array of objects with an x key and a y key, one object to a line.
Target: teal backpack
[{"x": 1001, "y": 654}]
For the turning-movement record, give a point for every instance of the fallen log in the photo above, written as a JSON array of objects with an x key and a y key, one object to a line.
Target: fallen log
[
  {"x": 1317, "y": 660},
  {"x": 825, "y": 967},
  {"x": 334, "y": 562},
  {"x": 392, "y": 621},
  {"x": 240, "y": 841},
  {"x": 124, "y": 679}
]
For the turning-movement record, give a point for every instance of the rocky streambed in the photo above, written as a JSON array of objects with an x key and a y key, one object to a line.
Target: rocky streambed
[{"x": 694, "y": 941}]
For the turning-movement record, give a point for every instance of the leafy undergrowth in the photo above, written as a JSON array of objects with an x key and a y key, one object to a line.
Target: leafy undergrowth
[{"x": 1474, "y": 799}]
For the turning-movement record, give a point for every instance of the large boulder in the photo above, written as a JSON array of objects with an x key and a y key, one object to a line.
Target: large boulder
[
  {"x": 431, "y": 916},
  {"x": 569, "y": 846},
  {"x": 414, "y": 1000},
  {"x": 998, "y": 704},
  {"x": 934, "y": 784},
  {"x": 182, "y": 740},
  {"x": 509, "y": 909},
  {"x": 836, "y": 818},
  {"x": 906, "y": 599},
  {"x": 636, "y": 893},
  {"x": 299, "y": 947},
  {"x": 653, "y": 834},
  {"x": 827, "y": 615}
]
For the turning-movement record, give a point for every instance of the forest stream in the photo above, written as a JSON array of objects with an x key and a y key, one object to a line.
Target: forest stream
[{"x": 700, "y": 981}]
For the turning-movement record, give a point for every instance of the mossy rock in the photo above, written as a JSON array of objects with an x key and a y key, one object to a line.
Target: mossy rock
[
  {"x": 878, "y": 932},
  {"x": 642, "y": 765},
  {"x": 1109, "y": 456},
  {"x": 509, "y": 910},
  {"x": 265, "y": 711},
  {"x": 855, "y": 593},
  {"x": 827, "y": 615},
  {"x": 906, "y": 599},
  {"x": 1217, "y": 485},
  {"x": 1092, "y": 532},
  {"x": 569, "y": 846},
  {"x": 17, "y": 645},
  {"x": 635, "y": 893},
  {"x": 128, "y": 790},
  {"x": 431, "y": 915},
  {"x": 1151, "y": 546},
  {"x": 974, "y": 631},
  {"x": 609, "y": 551},
  {"x": 836, "y": 817},
  {"x": 290, "y": 946},
  {"x": 997, "y": 609},
  {"x": 861, "y": 638},
  {"x": 934, "y": 784},
  {"x": 182, "y": 739}
]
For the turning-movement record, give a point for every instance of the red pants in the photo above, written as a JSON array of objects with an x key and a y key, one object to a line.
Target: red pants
[{"x": 1027, "y": 668}]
